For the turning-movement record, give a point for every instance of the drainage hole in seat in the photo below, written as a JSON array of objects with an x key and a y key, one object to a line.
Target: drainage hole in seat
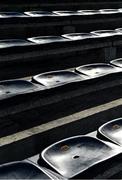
[{"x": 76, "y": 157}]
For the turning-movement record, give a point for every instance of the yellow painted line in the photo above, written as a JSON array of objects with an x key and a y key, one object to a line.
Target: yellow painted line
[{"x": 59, "y": 122}]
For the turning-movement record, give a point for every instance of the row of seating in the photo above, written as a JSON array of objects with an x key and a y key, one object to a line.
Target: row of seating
[
  {"x": 35, "y": 23},
  {"x": 55, "y": 79},
  {"x": 6, "y": 43},
  {"x": 58, "y": 13},
  {"x": 58, "y": 49},
  {"x": 72, "y": 157}
]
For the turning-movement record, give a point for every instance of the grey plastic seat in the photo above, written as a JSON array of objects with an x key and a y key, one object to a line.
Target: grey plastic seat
[
  {"x": 120, "y": 10},
  {"x": 79, "y": 36},
  {"x": 26, "y": 170},
  {"x": 47, "y": 39},
  {"x": 117, "y": 62},
  {"x": 57, "y": 78},
  {"x": 38, "y": 13},
  {"x": 97, "y": 70},
  {"x": 11, "y": 14},
  {"x": 89, "y": 12},
  {"x": 67, "y": 13},
  {"x": 6, "y": 43},
  {"x": 104, "y": 33},
  {"x": 109, "y": 11},
  {"x": 72, "y": 156},
  {"x": 15, "y": 87},
  {"x": 119, "y": 30},
  {"x": 112, "y": 131}
]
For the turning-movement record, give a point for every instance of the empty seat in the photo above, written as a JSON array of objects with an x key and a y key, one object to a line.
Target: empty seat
[
  {"x": 119, "y": 30},
  {"x": 89, "y": 12},
  {"x": 112, "y": 131},
  {"x": 117, "y": 62},
  {"x": 57, "y": 78},
  {"x": 109, "y": 11},
  {"x": 72, "y": 156},
  {"x": 47, "y": 39},
  {"x": 26, "y": 170},
  {"x": 79, "y": 36},
  {"x": 67, "y": 13},
  {"x": 6, "y": 43},
  {"x": 11, "y": 14},
  {"x": 120, "y": 10},
  {"x": 104, "y": 33},
  {"x": 15, "y": 87},
  {"x": 38, "y": 13},
  {"x": 97, "y": 69}
]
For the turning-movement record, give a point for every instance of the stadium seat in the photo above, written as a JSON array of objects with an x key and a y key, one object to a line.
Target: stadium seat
[
  {"x": 7, "y": 43},
  {"x": 16, "y": 87},
  {"x": 120, "y": 10},
  {"x": 57, "y": 78},
  {"x": 89, "y": 12},
  {"x": 72, "y": 156},
  {"x": 11, "y": 15},
  {"x": 67, "y": 13},
  {"x": 119, "y": 30},
  {"x": 26, "y": 170},
  {"x": 117, "y": 62},
  {"x": 79, "y": 36},
  {"x": 98, "y": 69},
  {"x": 104, "y": 33},
  {"x": 112, "y": 131},
  {"x": 47, "y": 39},
  {"x": 38, "y": 13},
  {"x": 109, "y": 11}
]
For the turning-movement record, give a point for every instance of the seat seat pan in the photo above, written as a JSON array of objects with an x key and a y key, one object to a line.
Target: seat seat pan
[
  {"x": 117, "y": 62},
  {"x": 112, "y": 131},
  {"x": 15, "y": 87},
  {"x": 14, "y": 42},
  {"x": 57, "y": 78},
  {"x": 97, "y": 69},
  {"x": 74, "y": 155},
  {"x": 79, "y": 36},
  {"x": 47, "y": 39}
]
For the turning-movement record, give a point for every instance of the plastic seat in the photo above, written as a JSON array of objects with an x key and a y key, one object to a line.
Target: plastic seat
[
  {"x": 72, "y": 156},
  {"x": 67, "y": 13},
  {"x": 47, "y": 39},
  {"x": 97, "y": 69},
  {"x": 38, "y": 13},
  {"x": 120, "y": 10},
  {"x": 11, "y": 14},
  {"x": 119, "y": 30},
  {"x": 15, "y": 87},
  {"x": 89, "y": 12},
  {"x": 104, "y": 33},
  {"x": 6, "y": 43},
  {"x": 26, "y": 170},
  {"x": 117, "y": 62},
  {"x": 109, "y": 11},
  {"x": 112, "y": 131},
  {"x": 78, "y": 36},
  {"x": 57, "y": 78}
]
